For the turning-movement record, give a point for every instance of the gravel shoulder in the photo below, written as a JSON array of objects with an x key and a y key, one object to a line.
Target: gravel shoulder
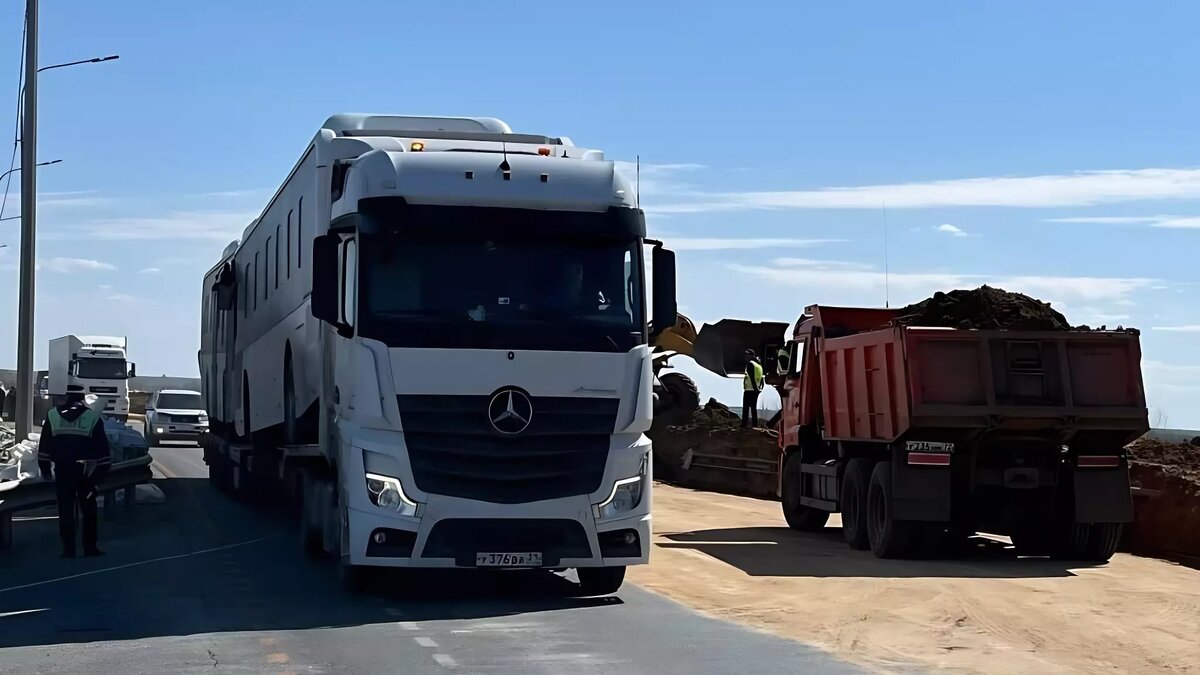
[{"x": 734, "y": 558}]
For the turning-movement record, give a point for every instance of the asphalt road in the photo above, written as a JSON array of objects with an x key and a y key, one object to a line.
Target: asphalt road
[{"x": 203, "y": 582}]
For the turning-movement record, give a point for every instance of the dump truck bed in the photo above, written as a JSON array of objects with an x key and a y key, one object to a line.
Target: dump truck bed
[{"x": 880, "y": 384}]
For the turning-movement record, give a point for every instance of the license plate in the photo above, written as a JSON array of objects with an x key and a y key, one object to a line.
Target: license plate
[{"x": 508, "y": 559}]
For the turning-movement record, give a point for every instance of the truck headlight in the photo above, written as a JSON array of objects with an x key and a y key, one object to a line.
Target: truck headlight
[
  {"x": 626, "y": 496},
  {"x": 386, "y": 493}
]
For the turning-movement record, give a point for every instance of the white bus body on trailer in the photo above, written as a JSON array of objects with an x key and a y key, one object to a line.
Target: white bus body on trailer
[{"x": 435, "y": 337}]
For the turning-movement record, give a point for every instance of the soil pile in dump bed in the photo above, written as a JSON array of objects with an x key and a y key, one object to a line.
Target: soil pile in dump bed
[
  {"x": 983, "y": 308},
  {"x": 715, "y": 432},
  {"x": 1167, "y": 509}
]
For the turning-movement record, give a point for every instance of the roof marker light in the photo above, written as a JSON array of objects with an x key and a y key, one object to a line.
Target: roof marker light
[
  {"x": 417, "y": 146},
  {"x": 544, "y": 152}
]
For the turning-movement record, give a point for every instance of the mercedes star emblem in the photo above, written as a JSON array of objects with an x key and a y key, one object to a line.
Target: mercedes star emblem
[{"x": 510, "y": 411}]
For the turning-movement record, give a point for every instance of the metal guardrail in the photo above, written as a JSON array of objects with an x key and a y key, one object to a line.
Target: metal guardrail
[
  {"x": 124, "y": 476},
  {"x": 703, "y": 460}
]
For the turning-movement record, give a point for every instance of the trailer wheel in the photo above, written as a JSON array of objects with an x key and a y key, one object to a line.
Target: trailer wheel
[
  {"x": 798, "y": 516},
  {"x": 890, "y": 538},
  {"x": 855, "y": 482},
  {"x": 600, "y": 580}
]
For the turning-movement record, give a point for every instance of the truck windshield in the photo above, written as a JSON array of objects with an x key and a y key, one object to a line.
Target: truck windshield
[
  {"x": 180, "y": 402},
  {"x": 101, "y": 369},
  {"x": 470, "y": 286}
]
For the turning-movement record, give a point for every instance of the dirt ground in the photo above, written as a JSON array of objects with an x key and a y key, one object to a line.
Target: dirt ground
[{"x": 734, "y": 558}]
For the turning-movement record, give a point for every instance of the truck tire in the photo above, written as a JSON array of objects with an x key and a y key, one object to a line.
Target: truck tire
[
  {"x": 353, "y": 578},
  {"x": 600, "y": 580},
  {"x": 1090, "y": 542},
  {"x": 799, "y": 517},
  {"x": 681, "y": 398},
  {"x": 853, "y": 497},
  {"x": 1103, "y": 540},
  {"x": 311, "y": 535},
  {"x": 890, "y": 538}
]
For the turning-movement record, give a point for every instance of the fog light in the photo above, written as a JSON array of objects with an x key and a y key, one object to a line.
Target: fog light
[
  {"x": 629, "y": 538},
  {"x": 158, "y": 430},
  {"x": 379, "y": 537}
]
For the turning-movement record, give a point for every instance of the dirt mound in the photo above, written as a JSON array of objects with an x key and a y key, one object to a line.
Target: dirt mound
[
  {"x": 983, "y": 308},
  {"x": 712, "y": 452},
  {"x": 1176, "y": 459}
]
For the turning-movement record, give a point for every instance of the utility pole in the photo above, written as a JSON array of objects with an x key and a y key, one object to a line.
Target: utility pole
[{"x": 25, "y": 331}]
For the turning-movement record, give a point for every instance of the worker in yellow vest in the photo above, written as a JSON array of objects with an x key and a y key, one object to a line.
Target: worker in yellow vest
[
  {"x": 752, "y": 384},
  {"x": 74, "y": 444}
]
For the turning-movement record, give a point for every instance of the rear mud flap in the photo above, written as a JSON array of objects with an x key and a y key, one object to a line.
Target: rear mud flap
[
  {"x": 1103, "y": 495},
  {"x": 921, "y": 493},
  {"x": 720, "y": 347}
]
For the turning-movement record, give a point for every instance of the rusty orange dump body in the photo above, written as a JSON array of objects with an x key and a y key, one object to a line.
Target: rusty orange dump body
[{"x": 868, "y": 380}]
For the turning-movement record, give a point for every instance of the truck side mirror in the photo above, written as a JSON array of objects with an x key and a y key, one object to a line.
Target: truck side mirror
[
  {"x": 665, "y": 304},
  {"x": 225, "y": 288},
  {"x": 325, "y": 281},
  {"x": 133, "y": 370}
]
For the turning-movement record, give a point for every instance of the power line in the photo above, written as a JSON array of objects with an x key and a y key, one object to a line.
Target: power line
[{"x": 12, "y": 163}]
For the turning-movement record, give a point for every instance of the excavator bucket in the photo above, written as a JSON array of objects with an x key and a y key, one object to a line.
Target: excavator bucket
[{"x": 721, "y": 347}]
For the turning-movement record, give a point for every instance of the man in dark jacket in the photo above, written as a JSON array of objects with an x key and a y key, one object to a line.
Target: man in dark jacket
[{"x": 73, "y": 441}]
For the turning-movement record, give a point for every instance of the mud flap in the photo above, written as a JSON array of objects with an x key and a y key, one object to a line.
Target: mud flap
[
  {"x": 1103, "y": 495},
  {"x": 720, "y": 347},
  {"x": 921, "y": 493}
]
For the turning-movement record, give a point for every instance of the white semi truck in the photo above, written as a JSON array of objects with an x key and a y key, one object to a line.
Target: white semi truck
[
  {"x": 92, "y": 364},
  {"x": 434, "y": 342}
]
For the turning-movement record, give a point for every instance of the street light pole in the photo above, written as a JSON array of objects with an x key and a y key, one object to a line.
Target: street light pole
[{"x": 25, "y": 331}]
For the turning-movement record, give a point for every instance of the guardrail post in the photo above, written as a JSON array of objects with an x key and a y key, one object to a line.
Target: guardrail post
[
  {"x": 6, "y": 532},
  {"x": 110, "y": 505}
]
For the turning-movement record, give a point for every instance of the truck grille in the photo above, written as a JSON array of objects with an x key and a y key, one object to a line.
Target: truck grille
[{"x": 455, "y": 451}]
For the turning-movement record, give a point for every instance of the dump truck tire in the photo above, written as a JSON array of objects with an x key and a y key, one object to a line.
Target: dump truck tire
[
  {"x": 855, "y": 482},
  {"x": 799, "y": 517},
  {"x": 1103, "y": 539},
  {"x": 681, "y": 398},
  {"x": 890, "y": 538}
]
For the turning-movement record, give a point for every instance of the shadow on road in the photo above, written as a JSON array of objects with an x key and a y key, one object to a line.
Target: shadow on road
[
  {"x": 204, "y": 563},
  {"x": 782, "y": 552}
]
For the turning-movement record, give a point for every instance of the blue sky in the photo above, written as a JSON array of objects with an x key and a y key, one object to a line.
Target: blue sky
[{"x": 1047, "y": 147}]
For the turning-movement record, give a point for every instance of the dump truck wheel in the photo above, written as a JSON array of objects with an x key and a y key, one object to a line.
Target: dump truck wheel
[
  {"x": 681, "y": 398},
  {"x": 1103, "y": 539},
  {"x": 799, "y": 517},
  {"x": 890, "y": 538},
  {"x": 853, "y": 498}
]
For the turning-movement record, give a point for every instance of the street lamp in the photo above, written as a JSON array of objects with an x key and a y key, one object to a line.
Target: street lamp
[
  {"x": 6, "y": 173},
  {"x": 25, "y": 333},
  {"x": 98, "y": 59}
]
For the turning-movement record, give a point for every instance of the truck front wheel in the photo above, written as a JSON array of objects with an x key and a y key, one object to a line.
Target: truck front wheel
[
  {"x": 890, "y": 538},
  {"x": 600, "y": 580},
  {"x": 1093, "y": 542},
  {"x": 855, "y": 483},
  {"x": 798, "y": 516}
]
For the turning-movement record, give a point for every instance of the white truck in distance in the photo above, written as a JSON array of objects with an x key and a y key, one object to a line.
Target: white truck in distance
[
  {"x": 435, "y": 340},
  {"x": 92, "y": 364}
]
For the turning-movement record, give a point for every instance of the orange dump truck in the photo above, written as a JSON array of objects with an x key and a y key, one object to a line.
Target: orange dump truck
[{"x": 921, "y": 436}]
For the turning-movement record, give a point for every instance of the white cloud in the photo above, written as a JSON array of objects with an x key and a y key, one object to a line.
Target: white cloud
[
  {"x": 72, "y": 265},
  {"x": 951, "y": 230},
  {"x": 823, "y": 264},
  {"x": 1168, "y": 222},
  {"x": 836, "y": 274},
  {"x": 720, "y": 244},
  {"x": 220, "y": 226},
  {"x": 1171, "y": 376},
  {"x": 1191, "y": 328},
  {"x": 149, "y": 270},
  {"x": 1081, "y": 188},
  {"x": 122, "y": 297}
]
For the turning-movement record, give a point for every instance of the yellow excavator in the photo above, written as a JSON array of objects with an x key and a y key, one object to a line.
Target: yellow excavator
[{"x": 718, "y": 348}]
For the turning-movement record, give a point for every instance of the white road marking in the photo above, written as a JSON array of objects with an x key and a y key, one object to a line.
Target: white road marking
[
  {"x": 445, "y": 660},
  {"x": 141, "y": 562},
  {"x": 408, "y": 625},
  {"x": 24, "y": 611},
  {"x": 425, "y": 641}
]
